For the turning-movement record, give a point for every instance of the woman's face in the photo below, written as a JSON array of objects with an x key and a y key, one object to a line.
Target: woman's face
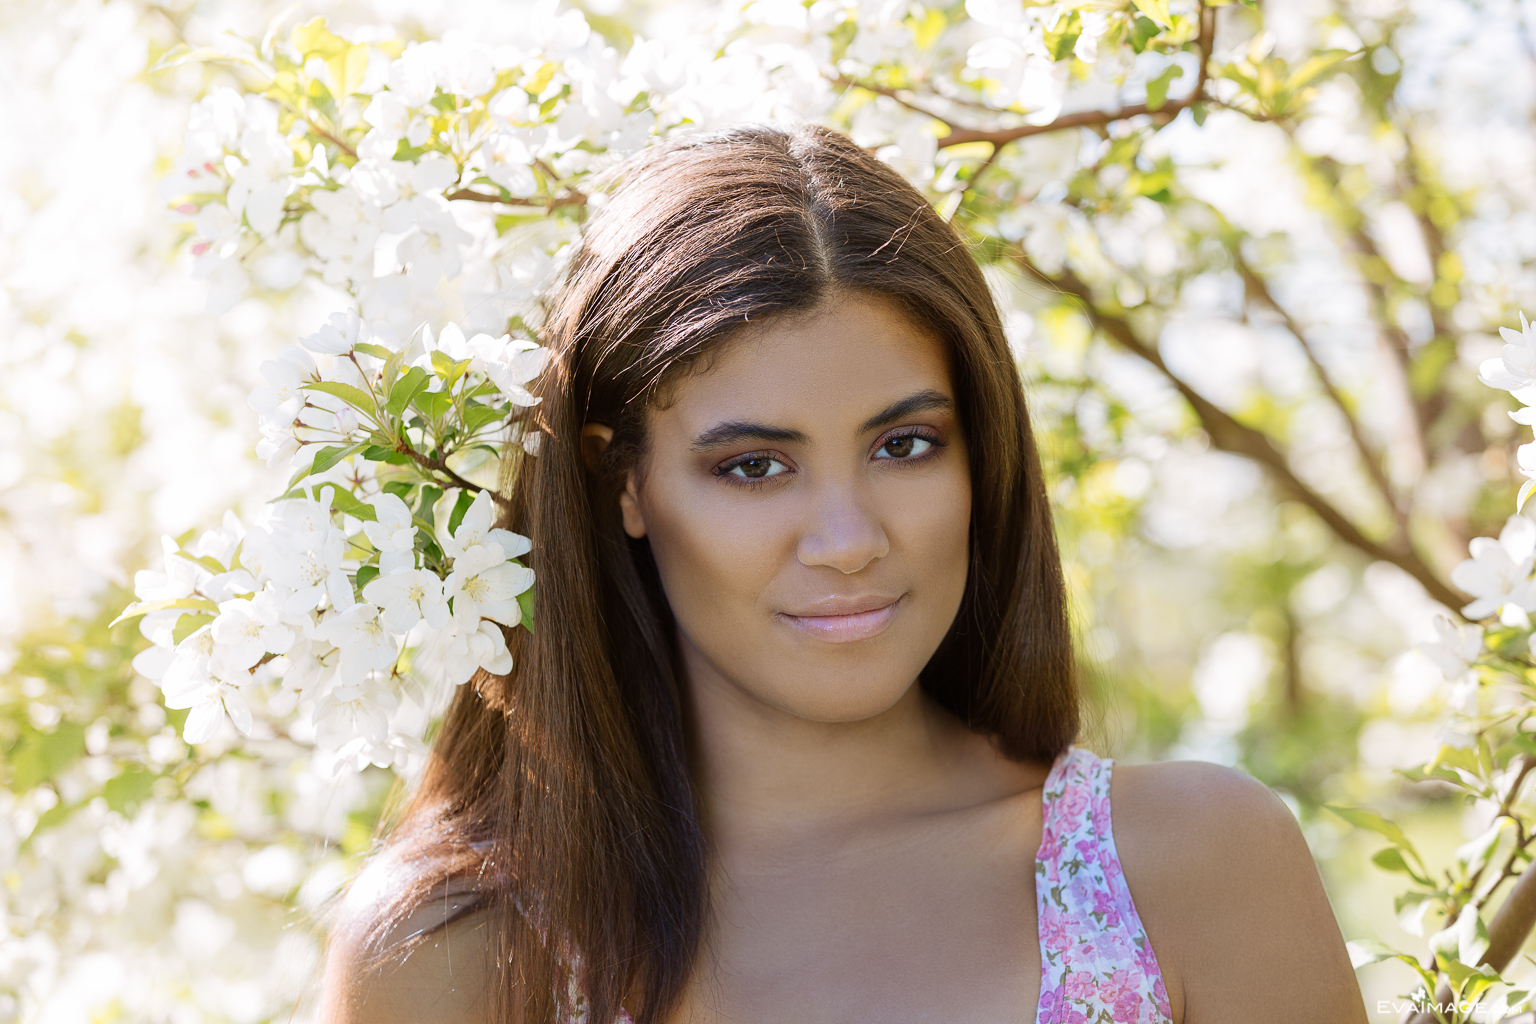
[{"x": 807, "y": 499}]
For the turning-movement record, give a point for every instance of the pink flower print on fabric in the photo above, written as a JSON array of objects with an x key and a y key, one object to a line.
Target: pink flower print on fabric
[{"x": 1096, "y": 962}]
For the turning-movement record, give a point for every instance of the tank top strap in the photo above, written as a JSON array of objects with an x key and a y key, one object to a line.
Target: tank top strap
[{"x": 1096, "y": 962}]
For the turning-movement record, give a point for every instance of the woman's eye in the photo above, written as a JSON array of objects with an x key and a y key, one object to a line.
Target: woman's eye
[
  {"x": 757, "y": 467},
  {"x": 904, "y": 447}
]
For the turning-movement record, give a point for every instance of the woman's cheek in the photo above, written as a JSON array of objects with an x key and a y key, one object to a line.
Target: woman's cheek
[{"x": 716, "y": 557}]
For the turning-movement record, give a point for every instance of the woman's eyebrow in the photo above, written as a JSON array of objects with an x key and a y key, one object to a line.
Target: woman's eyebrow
[
  {"x": 920, "y": 402},
  {"x": 732, "y": 432}
]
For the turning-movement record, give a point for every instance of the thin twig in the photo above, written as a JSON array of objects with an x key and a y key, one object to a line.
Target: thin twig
[
  {"x": 1259, "y": 288},
  {"x": 569, "y": 199},
  {"x": 441, "y": 466},
  {"x": 327, "y": 135},
  {"x": 843, "y": 81}
]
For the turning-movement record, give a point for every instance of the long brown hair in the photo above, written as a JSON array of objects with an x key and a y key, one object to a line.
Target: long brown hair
[{"x": 561, "y": 793}]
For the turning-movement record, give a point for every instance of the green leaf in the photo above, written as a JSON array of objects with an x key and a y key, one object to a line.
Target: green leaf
[
  {"x": 1469, "y": 982},
  {"x": 357, "y": 398},
  {"x": 1391, "y": 859},
  {"x": 404, "y": 390},
  {"x": 466, "y": 499},
  {"x": 1157, "y": 88},
  {"x": 1157, "y": 10},
  {"x": 1316, "y": 65},
  {"x": 366, "y": 575},
  {"x": 145, "y": 607},
  {"x": 427, "y": 510},
  {"x": 1062, "y": 39},
  {"x": 377, "y": 351},
  {"x": 127, "y": 788},
  {"x": 525, "y": 603},
  {"x": 1361, "y": 818},
  {"x": 187, "y": 625},
  {"x": 327, "y": 457},
  {"x": 208, "y": 562},
  {"x": 1199, "y": 112},
  {"x": 1142, "y": 32},
  {"x": 433, "y": 404},
  {"x": 477, "y": 416},
  {"x": 1364, "y": 952},
  {"x": 313, "y": 39},
  {"x": 346, "y": 502},
  {"x": 447, "y": 369},
  {"x": 42, "y": 755}
]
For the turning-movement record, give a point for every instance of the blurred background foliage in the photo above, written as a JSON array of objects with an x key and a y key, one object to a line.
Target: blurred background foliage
[{"x": 1250, "y": 287}]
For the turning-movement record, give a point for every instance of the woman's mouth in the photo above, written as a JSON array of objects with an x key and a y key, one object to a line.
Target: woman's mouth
[{"x": 865, "y": 618}]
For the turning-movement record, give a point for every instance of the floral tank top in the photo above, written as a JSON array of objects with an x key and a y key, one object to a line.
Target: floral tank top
[{"x": 1096, "y": 962}]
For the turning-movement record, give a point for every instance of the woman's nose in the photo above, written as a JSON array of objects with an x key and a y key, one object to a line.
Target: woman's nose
[{"x": 843, "y": 533}]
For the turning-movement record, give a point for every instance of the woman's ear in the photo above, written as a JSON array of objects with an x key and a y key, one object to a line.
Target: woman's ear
[
  {"x": 595, "y": 439},
  {"x": 629, "y": 504}
]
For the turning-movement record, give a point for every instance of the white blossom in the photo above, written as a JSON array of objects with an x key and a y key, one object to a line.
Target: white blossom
[
  {"x": 365, "y": 644},
  {"x": 475, "y": 528},
  {"x": 393, "y": 534},
  {"x": 1454, "y": 651},
  {"x": 281, "y": 398},
  {"x": 406, "y": 597},
  {"x": 484, "y": 584},
  {"x": 1514, "y": 369},
  {"x": 509, "y": 364},
  {"x": 246, "y": 630},
  {"x": 470, "y": 648},
  {"x": 1498, "y": 574},
  {"x": 340, "y": 334},
  {"x": 210, "y": 704}
]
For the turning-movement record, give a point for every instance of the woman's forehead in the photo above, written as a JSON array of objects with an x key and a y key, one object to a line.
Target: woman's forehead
[{"x": 848, "y": 359}]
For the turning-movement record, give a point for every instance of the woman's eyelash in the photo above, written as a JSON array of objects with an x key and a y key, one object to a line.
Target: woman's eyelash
[
  {"x": 930, "y": 437},
  {"x": 726, "y": 469},
  {"x": 927, "y": 436}
]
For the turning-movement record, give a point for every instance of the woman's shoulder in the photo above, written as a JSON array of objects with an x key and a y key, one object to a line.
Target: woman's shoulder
[
  {"x": 436, "y": 963},
  {"x": 1230, "y": 895}
]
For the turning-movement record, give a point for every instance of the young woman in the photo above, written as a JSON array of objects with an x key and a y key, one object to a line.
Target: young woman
[{"x": 793, "y": 737}]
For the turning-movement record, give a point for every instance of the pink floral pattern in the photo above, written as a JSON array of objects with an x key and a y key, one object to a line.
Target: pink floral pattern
[{"x": 1096, "y": 962}]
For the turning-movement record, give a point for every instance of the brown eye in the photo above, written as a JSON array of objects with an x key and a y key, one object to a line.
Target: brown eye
[
  {"x": 904, "y": 447},
  {"x": 757, "y": 467}
]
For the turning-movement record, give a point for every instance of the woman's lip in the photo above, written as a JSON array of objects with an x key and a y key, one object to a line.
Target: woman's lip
[{"x": 847, "y": 627}]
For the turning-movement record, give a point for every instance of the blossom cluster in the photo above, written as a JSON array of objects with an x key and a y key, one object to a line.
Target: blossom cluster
[{"x": 363, "y": 562}]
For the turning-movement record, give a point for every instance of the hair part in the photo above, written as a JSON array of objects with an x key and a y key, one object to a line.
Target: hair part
[{"x": 563, "y": 789}]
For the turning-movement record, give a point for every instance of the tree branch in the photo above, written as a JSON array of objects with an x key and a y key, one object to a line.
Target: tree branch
[
  {"x": 844, "y": 82},
  {"x": 569, "y": 199},
  {"x": 1259, "y": 288},
  {"x": 329, "y": 137},
  {"x": 1085, "y": 118},
  {"x": 439, "y": 465},
  {"x": 1230, "y": 435}
]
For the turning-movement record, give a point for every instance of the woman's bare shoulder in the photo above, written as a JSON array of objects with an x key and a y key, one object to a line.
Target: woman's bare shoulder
[
  {"x": 422, "y": 970},
  {"x": 1230, "y": 896}
]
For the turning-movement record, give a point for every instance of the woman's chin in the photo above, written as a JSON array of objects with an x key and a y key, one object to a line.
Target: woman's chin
[{"x": 833, "y": 701}]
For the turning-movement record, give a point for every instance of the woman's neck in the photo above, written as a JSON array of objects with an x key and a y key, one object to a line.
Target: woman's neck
[{"x": 764, "y": 773}]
